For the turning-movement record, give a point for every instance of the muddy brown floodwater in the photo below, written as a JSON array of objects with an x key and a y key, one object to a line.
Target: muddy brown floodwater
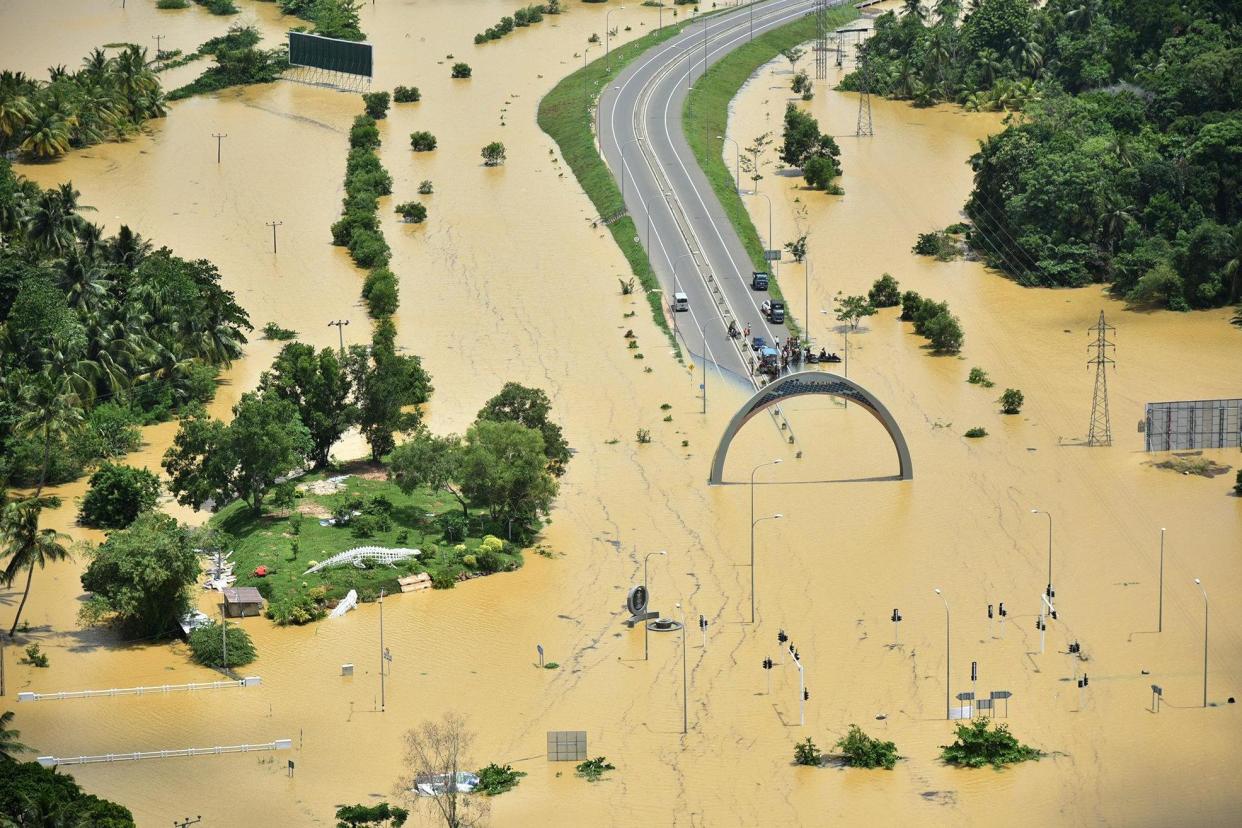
[{"x": 507, "y": 280}]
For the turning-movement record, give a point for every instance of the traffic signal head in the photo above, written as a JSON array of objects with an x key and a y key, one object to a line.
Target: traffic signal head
[
  {"x": 781, "y": 637},
  {"x": 806, "y": 695},
  {"x": 989, "y": 610}
]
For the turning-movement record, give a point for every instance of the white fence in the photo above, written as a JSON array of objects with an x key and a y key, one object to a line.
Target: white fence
[
  {"x": 53, "y": 761},
  {"x": 248, "y": 681}
]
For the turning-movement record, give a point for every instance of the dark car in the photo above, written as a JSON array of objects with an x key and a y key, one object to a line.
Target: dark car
[
  {"x": 758, "y": 281},
  {"x": 757, "y": 343},
  {"x": 776, "y": 313}
]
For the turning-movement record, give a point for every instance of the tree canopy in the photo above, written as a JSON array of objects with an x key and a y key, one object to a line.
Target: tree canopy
[
  {"x": 117, "y": 495},
  {"x": 321, "y": 388},
  {"x": 31, "y": 794}
]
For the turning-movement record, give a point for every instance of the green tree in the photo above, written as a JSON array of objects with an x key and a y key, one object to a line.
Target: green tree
[
  {"x": 530, "y": 407},
  {"x": 320, "y": 386},
  {"x": 1011, "y": 401},
  {"x": 380, "y": 814},
  {"x": 426, "y": 461},
  {"x": 27, "y": 546},
  {"x": 885, "y": 292},
  {"x": 9, "y": 744},
  {"x": 376, "y": 104},
  {"x": 504, "y": 469},
  {"x": 862, "y": 751},
  {"x": 31, "y": 794},
  {"x": 387, "y": 389},
  {"x": 945, "y": 333},
  {"x": 493, "y": 154},
  {"x": 806, "y": 753},
  {"x": 852, "y": 309},
  {"x": 141, "y": 577},
  {"x": 978, "y": 745},
  {"x": 117, "y": 495},
  {"x": 51, "y": 411},
  {"x": 211, "y": 461},
  {"x": 207, "y": 645}
]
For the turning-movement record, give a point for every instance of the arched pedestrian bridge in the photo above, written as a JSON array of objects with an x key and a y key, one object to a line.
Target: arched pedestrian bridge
[{"x": 802, "y": 384}]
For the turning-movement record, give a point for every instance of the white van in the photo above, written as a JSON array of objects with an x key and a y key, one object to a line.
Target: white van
[{"x": 681, "y": 302}]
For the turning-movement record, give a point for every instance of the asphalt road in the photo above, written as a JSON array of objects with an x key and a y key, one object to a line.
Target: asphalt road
[{"x": 689, "y": 240}]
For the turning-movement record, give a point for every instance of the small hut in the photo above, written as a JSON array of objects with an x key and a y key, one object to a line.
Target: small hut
[{"x": 242, "y": 601}]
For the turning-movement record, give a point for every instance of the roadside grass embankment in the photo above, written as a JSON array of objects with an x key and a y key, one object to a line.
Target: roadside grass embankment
[
  {"x": 566, "y": 114},
  {"x": 706, "y": 117}
]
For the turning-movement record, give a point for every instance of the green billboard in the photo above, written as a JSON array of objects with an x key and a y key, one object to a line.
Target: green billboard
[{"x": 330, "y": 54}]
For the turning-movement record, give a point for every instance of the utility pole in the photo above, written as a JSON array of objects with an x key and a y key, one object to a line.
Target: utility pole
[
  {"x": 219, "y": 136},
  {"x": 224, "y": 637},
  {"x": 383, "y": 654},
  {"x": 864, "y": 128},
  {"x": 821, "y": 39},
  {"x": 158, "y": 50},
  {"x": 274, "y": 225},
  {"x": 948, "y": 707},
  {"x": 1205, "y": 638},
  {"x": 1160, "y": 616},
  {"x": 340, "y": 331},
  {"x": 685, "y": 692},
  {"x": 1100, "y": 432},
  {"x": 184, "y": 822}
]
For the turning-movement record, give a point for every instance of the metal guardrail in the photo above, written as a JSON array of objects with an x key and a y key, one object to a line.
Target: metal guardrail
[
  {"x": 53, "y": 761},
  {"x": 63, "y": 695}
]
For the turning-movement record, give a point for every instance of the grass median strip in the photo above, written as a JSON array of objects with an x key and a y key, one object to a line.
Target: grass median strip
[
  {"x": 566, "y": 114},
  {"x": 706, "y": 117}
]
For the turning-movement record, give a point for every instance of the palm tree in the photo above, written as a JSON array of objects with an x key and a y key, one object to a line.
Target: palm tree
[
  {"x": 48, "y": 133},
  {"x": 82, "y": 279},
  {"x": 16, "y": 110},
  {"x": 27, "y": 546},
  {"x": 9, "y": 746},
  {"x": 1233, "y": 268},
  {"x": 48, "y": 409},
  {"x": 914, "y": 7},
  {"x": 947, "y": 11},
  {"x": 127, "y": 248}
]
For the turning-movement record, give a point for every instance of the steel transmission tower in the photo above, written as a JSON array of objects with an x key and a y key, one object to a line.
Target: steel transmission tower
[
  {"x": 1101, "y": 432},
  {"x": 864, "y": 100},
  {"x": 821, "y": 39}
]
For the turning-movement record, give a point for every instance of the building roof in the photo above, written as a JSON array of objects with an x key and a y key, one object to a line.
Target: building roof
[{"x": 242, "y": 595}]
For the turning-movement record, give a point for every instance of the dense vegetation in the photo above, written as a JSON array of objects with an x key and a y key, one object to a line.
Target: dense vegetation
[
  {"x": 31, "y": 794},
  {"x": 934, "y": 321},
  {"x": 117, "y": 495},
  {"x": 366, "y": 181},
  {"x": 808, "y": 149},
  {"x": 331, "y": 18},
  {"x": 99, "y": 335},
  {"x": 1126, "y": 166},
  {"x": 238, "y": 66},
  {"x": 978, "y": 744},
  {"x": 109, "y": 98},
  {"x": 209, "y": 642},
  {"x": 862, "y": 751},
  {"x": 521, "y": 18}
]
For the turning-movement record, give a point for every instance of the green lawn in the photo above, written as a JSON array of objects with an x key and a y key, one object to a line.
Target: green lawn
[
  {"x": 269, "y": 539},
  {"x": 706, "y": 116}
]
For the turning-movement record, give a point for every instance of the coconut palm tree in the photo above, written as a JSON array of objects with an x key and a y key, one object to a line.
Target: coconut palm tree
[
  {"x": 947, "y": 11},
  {"x": 914, "y": 7},
  {"x": 126, "y": 248},
  {"x": 1233, "y": 269},
  {"x": 48, "y": 133},
  {"x": 9, "y": 746},
  {"x": 49, "y": 410},
  {"x": 16, "y": 109},
  {"x": 27, "y": 546},
  {"x": 82, "y": 279}
]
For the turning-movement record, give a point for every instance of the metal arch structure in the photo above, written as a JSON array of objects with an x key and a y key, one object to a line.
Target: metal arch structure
[{"x": 802, "y": 384}]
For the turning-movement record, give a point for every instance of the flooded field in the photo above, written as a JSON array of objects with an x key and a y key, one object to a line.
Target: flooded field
[{"x": 507, "y": 280}]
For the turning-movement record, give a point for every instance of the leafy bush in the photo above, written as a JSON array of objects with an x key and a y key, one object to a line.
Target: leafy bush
[
  {"x": 977, "y": 745},
  {"x": 207, "y": 647},
  {"x": 496, "y": 779},
  {"x": 236, "y": 67},
  {"x": 944, "y": 332},
  {"x": 117, "y": 495},
  {"x": 978, "y": 376},
  {"x": 862, "y": 751},
  {"x": 379, "y": 814},
  {"x": 364, "y": 134},
  {"x": 461, "y": 70},
  {"x": 412, "y": 211},
  {"x": 885, "y": 292},
  {"x": 643, "y": 435},
  {"x": 379, "y": 291},
  {"x": 296, "y": 609},
  {"x": 376, "y": 104},
  {"x": 425, "y": 187},
  {"x": 172, "y": 4},
  {"x": 406, "y": 94},
  {"x": 805, "y": 753},
  {"x": 218, "y": 6},
  {"x": 422, "y": 141},
  {"x": 1237, "y": 487},
  {"x": 493, "y": 154},
  {"x": 977, "y": 431},
  {"x": 35, "y": 656},
  {"x": 274, "y": 332},
  {"x": 368, "y": 249},
  {"x": 936, "y": 243},
  {"x": 445, "y": 578},
  {"x": 593, "y": 770},
  {"x": 111, "y": 430},
  {"x": 1011, "y": 401}
]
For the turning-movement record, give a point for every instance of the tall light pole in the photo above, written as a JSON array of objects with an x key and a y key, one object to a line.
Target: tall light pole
[
  {"x": 685, "y": 687},
  {"x": 608, "y": 35},
  {"x": 754, "y": 523},
  {"x": 737, "y": 160},
  {"x": 381, "y": 615},
  {"x": 646, "y": 632},
  {"x": 1160, "y": 616},
  {"x": 948, "y": 709},
  {"x": 775, "y": 462},
  {"x": 769, "y": 201},
  {"x": 219, "y": 136},
  {"x": 1049, "y": 592},
  {"x": 340, "y": 331},
  {"x": 1205, "y": 638}
]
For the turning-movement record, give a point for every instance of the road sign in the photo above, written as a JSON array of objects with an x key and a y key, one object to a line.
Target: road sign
[
  {"x": 771, "y": 255},
  {"x": 636, "y": 601},
  {"x": 967, "y": 696}
]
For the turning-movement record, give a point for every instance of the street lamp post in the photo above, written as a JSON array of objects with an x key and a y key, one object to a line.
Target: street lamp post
[
  {"x": 948, "y": 709},
  {"x": 340, "y": 331},
  {"x": 764, "y": 196},
  {"x": 1049, "y": 592},
  {"x": 645, "y": 631},
  {"x": 381, "y": 625},
  {"x": 608, "y": 35},
  {"x": 776, "y": 462},
  {"x": 754, "y": 523},
  {"x": 1160, "y": 614},
  {"x": 685, "y": 691},
  {"x": 1205, "y": 638},
  {"x": 737, "y": 160}
]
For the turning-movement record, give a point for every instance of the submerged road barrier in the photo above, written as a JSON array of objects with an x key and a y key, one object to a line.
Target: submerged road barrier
[
  {"x": 248, "y": 681},
  {"x": 53, "y": 761}
]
